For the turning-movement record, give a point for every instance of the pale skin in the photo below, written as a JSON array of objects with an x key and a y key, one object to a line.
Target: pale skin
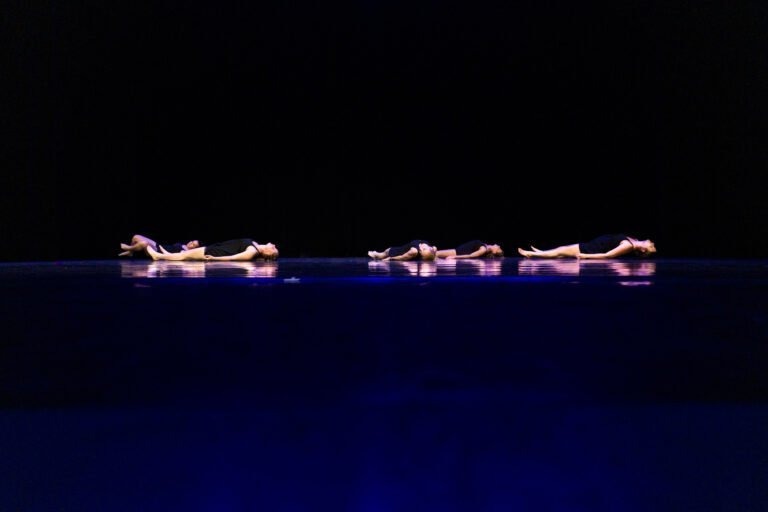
[
  {"x": 197, "y": 254},
  {"x": 141, "y": 243},
  {"x": 493, "y": 249},
  {"x": 625, "y": 247},
  {"x": 427, "y": 252}
]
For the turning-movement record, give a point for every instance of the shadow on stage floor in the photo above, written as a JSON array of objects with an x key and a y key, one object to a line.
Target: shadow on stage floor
[{"x": 354, "y": 385}]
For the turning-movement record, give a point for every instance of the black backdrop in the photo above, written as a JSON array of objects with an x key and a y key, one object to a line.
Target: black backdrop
[{"x": 331, "y": 128}]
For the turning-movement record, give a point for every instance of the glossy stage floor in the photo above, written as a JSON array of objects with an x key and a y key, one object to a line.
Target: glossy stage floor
[{"x": 352, "y": 385}]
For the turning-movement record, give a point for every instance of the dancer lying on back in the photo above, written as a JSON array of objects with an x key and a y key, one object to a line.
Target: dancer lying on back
[{"x": 601, "y": 247}]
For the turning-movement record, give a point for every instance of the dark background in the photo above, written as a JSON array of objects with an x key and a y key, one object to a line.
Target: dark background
[{"x": 332, "y": 128}]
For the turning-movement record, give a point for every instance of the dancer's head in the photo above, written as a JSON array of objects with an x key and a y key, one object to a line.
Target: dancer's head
[
  {"x": 645, "y": 247},
  {"x": 267, "y": 251},
  {"x": 495, "y": 250},
  {"x": 427, "y": 252}
]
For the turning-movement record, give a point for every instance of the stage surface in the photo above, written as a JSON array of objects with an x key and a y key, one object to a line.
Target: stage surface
[{"x": 344, "y": 384}]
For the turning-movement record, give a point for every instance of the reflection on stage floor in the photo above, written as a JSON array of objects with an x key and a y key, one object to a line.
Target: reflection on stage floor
[{"x": 352, "y": 384}]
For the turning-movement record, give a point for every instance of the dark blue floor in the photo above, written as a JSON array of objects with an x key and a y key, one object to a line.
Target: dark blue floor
[{"x": 352, "y": 385}]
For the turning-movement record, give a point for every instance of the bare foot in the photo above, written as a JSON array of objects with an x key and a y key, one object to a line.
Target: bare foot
[
  {"x": 126, "y": 253},
  {"x": 376, "y": 255},
  {"x": 525, "y": 253},
  {"x": 126, "y": 247}
]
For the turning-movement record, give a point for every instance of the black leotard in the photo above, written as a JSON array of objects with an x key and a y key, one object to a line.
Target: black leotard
[
  {"x": 228, "y": 247},
  {"x": 602, "y": 243},
  {"x": 402, "y": 249},
  {"x": 174, "y": 247},
  {"x": 470, "y": 247}
]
